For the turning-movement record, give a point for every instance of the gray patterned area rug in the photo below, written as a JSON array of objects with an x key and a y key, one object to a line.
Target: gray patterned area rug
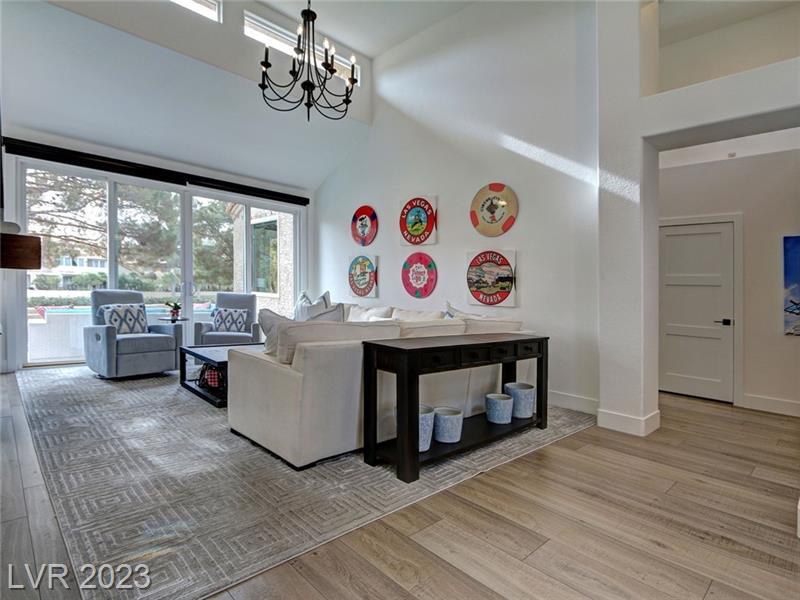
[{"x": 142, "y": 471}]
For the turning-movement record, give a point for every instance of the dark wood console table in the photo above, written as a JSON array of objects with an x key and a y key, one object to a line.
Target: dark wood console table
[{"x": 409, "y": 358}]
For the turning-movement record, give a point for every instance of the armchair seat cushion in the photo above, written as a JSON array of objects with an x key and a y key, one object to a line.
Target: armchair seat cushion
[
  {"x": 227, "y": 337},
  {"x": 137, "y": 343}
]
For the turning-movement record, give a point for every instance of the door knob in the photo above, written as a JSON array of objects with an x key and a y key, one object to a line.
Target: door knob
[{"x": 725, "y": 322}]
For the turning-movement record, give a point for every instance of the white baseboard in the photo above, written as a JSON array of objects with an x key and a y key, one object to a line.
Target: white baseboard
[
  {"x": 781, "y": 406},
  {"x": 631, "y": 424},
  {"x": 582, "y": 404}
]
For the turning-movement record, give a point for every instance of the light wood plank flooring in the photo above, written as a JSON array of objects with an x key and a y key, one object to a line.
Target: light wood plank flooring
[{"x": 704, "y": 508}]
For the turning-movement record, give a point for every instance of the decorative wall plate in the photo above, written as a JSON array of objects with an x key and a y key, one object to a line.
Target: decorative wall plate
[
  {"x": 418, "y": 221},
  {"x": 364, "y": 225},
  {"x": 419, "y": 275},
  {"x": 362, "y": 275},
  {"x": 494, "y": 209},
  {"x": 490, "y": 277}
]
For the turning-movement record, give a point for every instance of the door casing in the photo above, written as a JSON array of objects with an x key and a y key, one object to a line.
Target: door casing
[{"x": 736, "y": 219}]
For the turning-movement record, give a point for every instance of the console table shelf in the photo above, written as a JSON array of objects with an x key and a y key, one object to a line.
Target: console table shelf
[
  {"x": 410, "y": 358},
  {"x": 477, "y": 431}
]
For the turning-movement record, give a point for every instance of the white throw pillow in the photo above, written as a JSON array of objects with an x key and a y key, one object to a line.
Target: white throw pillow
[
  {"x": 451, "y": 312},
  {"x": 492, "y": 325},
  {"x": 291, "y": 334},
  {"x": 400, "y": 314},
  {"x": 126, "y": 318},
  {"x": 305, "y": 308},
  {"x": 334, "y": 314},
  {"x": 363, "y": 313},
  {"x": 268, "y": 320},
  {"x": 230, "y": 319},
  {"x": 415, "y": 329}
]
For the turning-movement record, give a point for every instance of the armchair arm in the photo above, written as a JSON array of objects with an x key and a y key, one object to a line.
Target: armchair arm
[
  {"x": 100, "y": 348},
  {"x": 173, "y": 329},
  {"x": 200, "y": 329},
  {"x": 176, "y": 331},
  {"x": 255, "y": 331}
]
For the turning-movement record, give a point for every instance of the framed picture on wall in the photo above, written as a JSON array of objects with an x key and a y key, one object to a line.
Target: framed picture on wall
[
  {"x": 491, "y": 277},
  {"x": 418, "y": 221},
  {"x": 362, "y": 276},
  {"x": 791, "y": 285}
]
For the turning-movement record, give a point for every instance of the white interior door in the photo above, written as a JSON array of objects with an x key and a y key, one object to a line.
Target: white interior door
[{"x": 696, "y": 310}]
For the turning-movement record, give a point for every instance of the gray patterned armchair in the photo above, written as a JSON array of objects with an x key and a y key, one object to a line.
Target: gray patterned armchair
[
  {"x": 112, "y": 355},
  {"x": 205, "y": 334}
]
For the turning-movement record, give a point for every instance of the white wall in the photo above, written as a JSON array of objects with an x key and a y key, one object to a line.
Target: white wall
[
  {"x": 465, "y": 103},
  {"x": 766, "y": 190},
  {"x": 748, "y": 44}
]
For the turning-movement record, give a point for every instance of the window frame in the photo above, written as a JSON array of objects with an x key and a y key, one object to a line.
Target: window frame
[
  {"x": 17, "y": 337},
  {"x": 203, "y": 8}
]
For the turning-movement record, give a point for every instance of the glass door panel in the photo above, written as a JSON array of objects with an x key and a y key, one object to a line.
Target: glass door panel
[
  {"x": 218, "y": 261},
  {"x": 70, "y": 214},
  {"x": 149, "y": 246},
  {"x": 272, "y": 260}
]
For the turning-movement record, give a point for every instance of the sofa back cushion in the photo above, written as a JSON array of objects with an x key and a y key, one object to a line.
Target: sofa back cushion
[
  {"x": 402, "y": 314},
  {"x": 358, "y": 314},
  {"x": 492, "y": 325},
  {"x": 292, "y": 333},
  {"x": 413, "y": 329}
]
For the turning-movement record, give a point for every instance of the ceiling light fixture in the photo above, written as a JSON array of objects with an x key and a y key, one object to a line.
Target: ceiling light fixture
[{"x": 308, "y": 79}]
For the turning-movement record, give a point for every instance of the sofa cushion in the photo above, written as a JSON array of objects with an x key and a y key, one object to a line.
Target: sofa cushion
[
  {"x": 360, "y": 314},
  {"x": 401, "y": 314},
  {"x": 412, "y": 329},
  {"x": 137, "y": 343},
  {"x": 230, "y": 319},
  {"x": 492, "y": 325},
  {"x": 334, "y": 314},
  {"x": 268, "y": 320},
  {"x": 227, "y": 337},
  {"x": 305, "y": 308},
  {"x": 125, "y": 318},
  {"x": 293, "y": 333}
]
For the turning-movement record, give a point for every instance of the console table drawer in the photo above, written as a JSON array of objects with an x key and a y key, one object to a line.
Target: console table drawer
[
  {"x": 475, "y": 356},
  {"x": 528, "y": 349},
  {"x": 438, "y": 360},
  {"x": 503, "y": 352}
]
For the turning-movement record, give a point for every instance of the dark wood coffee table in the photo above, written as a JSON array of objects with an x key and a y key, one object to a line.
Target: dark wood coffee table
[{"x": 217, "y": 357}]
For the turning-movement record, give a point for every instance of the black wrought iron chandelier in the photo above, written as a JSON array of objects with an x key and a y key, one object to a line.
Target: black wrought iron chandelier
[{"x": 309, "y": 81}]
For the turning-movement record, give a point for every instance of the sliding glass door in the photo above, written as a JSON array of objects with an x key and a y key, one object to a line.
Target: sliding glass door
[
  {"x": 170, "y": 243},
  {"x": 70, "y": 214},
  {"x": 148, "y": 244}
]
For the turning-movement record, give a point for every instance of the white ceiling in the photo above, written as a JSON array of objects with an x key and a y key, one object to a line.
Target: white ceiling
[
  {"x": 684, "y": 19},
  {"x": 371, "y": 27}
]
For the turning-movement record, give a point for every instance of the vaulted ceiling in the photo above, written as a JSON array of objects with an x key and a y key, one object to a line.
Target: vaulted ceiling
[{"x": 372, "y": 27}]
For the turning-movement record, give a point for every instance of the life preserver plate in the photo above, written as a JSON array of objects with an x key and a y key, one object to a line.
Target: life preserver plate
[
  {"x": 417, "y": 221},
  {"x": 494, "y": 209},
  {"x": 364, "y": 225}
]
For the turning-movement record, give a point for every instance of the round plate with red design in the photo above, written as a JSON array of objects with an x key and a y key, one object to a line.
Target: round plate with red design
[
  {"x": 417, "y": 221},
  {"x": 419, "y": 275},
  {"x": 364, "y": 225},
  {"x": 494, "y": 209},
  {"x": 490, "y": 277}
]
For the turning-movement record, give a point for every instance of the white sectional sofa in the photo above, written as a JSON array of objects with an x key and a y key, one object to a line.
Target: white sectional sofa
[{"x": 304, "y": 401}]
